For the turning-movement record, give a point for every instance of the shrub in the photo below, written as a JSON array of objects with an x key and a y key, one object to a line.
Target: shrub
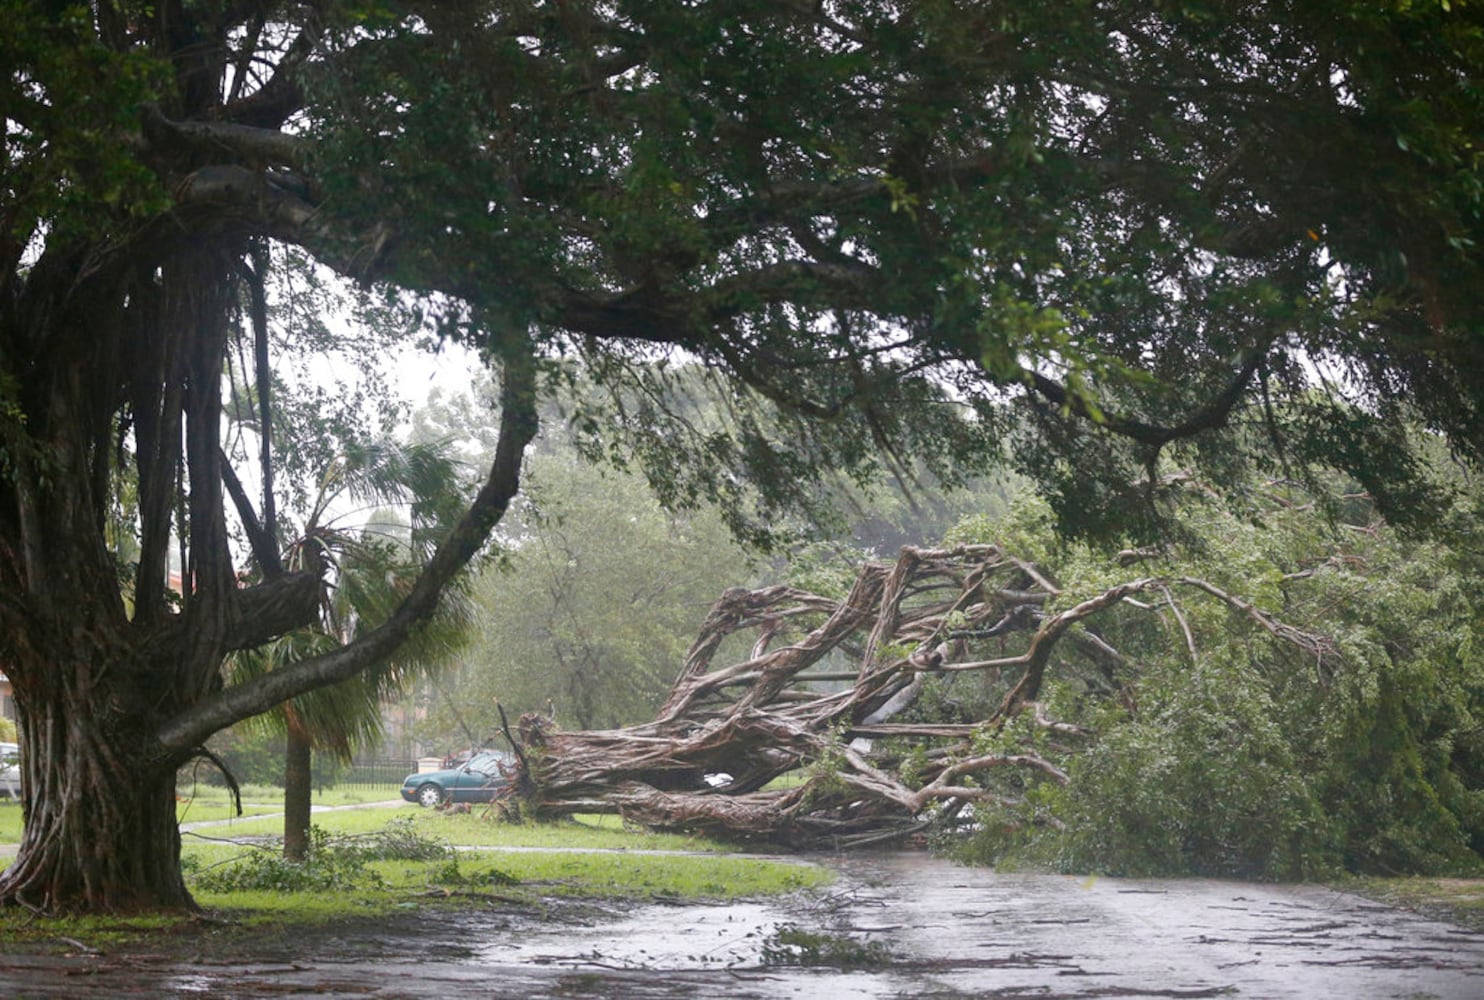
[{"x": 330, "y": 863}]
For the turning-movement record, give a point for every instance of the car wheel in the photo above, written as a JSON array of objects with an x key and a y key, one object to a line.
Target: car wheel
[{"x": 429, "y": 795}]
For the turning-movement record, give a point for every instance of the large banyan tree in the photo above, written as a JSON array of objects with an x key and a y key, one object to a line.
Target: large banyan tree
[{"x": 933, "y": 233}]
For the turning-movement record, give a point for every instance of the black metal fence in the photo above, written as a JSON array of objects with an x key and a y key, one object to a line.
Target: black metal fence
[{"x": 376, "y": 772}]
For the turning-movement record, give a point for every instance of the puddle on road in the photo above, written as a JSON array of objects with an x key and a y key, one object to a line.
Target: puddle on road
[{"x": 653, "y": 937}]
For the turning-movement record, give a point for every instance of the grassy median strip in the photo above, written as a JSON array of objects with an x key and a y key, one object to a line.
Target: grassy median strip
[{"x": 1456, "y": 900}]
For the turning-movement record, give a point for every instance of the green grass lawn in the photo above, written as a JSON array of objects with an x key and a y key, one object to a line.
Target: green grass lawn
[
  {"x": 10, "y": 821},
  {"x": 207, "y": 803},
  {"x": 273, "y": 796},
  {"x": 475, "y": 830},
  {"x": 595, "y": 857},
  {"x": 527, "y": 877},
  {"x": 261, "y": 805}
]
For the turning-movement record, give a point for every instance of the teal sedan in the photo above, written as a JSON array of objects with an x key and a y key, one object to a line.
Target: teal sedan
[{"x": 479, "y": 780}]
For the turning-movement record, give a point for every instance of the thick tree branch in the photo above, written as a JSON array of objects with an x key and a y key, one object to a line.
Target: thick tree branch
[
  {"x": 1318, "y": 646},
  {"x": 263, "y": 612},
  {"x": 213, "y": 140},
  {"x": 264, "y": 547},
  {"x": 1044, "y": 641},
  {"x": 275, "y": 101},
  {"x": 263, "y": 380},
  {"x": 228, "y": 197},
  {"x": 1211, "y": 415}
]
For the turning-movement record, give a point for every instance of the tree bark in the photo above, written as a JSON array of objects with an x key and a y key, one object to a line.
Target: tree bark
[
  {"x": 99, "y": 803},
  {"x": 298, "y": 793}
]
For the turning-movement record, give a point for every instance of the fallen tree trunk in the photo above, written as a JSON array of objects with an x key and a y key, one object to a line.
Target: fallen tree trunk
[{"x": 794, "y": 743}]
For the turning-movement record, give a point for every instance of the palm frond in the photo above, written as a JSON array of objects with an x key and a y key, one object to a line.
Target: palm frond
[{"x": 371, "y": 571}]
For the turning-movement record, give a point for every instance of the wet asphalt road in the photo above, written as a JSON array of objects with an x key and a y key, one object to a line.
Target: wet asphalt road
[{"x": 934, "y": 930}]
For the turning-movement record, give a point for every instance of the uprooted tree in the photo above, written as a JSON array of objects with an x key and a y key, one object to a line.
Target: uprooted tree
[
  {"x": 820, "y": 689},
  {"x": 892, "y": 231}
]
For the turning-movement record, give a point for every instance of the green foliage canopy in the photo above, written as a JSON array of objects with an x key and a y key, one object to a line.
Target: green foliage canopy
[
  {"x": 1162, "y": 219},
  {"x": 1222, "y": 748},
  {"x": 1152, "y": 218}
]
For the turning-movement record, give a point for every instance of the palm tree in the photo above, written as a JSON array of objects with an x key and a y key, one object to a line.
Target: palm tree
[{"x": 372, "y": 567}]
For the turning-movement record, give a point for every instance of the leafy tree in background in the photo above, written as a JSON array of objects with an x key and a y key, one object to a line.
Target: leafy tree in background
[
  {"x": 591, "y": 611},
  {"x": 884, "y": 227}
]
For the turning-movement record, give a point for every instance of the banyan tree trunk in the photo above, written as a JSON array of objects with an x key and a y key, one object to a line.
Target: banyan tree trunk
[{"x": 100, "y": 819}]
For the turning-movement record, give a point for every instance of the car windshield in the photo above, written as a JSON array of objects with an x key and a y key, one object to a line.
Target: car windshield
[{"x": 486, "y": 763}]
